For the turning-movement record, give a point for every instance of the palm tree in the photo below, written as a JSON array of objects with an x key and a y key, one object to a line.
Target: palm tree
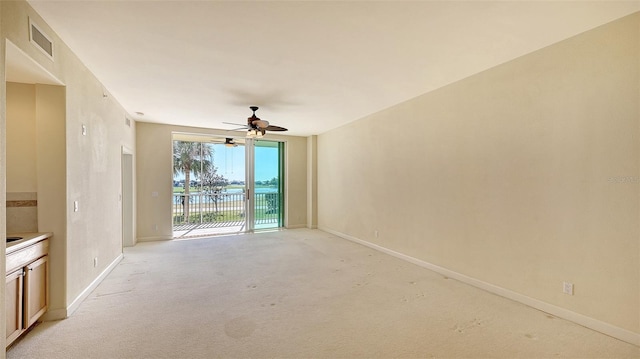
[{"x": 190, "y": 157}]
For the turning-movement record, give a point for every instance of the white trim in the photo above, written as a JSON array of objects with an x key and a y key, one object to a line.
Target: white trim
[
  {"x": 296, "y": 226},
  {"x": 71, "y": 308},
  {"x": 591, "y": 323},
  {"x": 153, "y": 239},
  {"x": 56, "y": 314},
  {"x": 126, "y": 150},
  {"x": 59, "y": 314},
  {"x": 249, "y": 185},
  {"x": 44, "y": 76}
]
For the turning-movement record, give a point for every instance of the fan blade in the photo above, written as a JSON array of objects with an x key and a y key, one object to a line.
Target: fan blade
[
  {"x": 260, "y": 123},
  {"x": 275, "y": 128},
  {"x": 236, "y": 124}
]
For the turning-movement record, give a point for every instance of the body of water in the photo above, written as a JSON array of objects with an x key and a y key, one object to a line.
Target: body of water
[{"x": 228, "y": 195}]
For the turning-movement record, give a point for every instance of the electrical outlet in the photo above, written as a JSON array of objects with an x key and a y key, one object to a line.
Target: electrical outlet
[
  {"x": 375, "y": 233},
  {"x": 95, "y": 262},
  {"x": 75, "y": 206},
  {"x": 567, "y": 288},
  {"x": 84, "y": 129}
]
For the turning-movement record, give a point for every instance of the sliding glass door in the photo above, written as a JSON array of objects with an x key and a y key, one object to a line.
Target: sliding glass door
[
  {"x": 269, "y": 187},
  {"x": 226, "y": 185}
]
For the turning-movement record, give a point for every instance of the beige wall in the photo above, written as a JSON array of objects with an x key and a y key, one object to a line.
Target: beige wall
[
  {"x": 21, "y": 138},
  {"x": 155, "y": 174},
  {"x": 21, "y": 158},
  {"x": 3, "y": 183},
  {"x": 51, "y": 186},
  {"x": 295, "y": 191},
  {"x": 312, "y": 181},
  {"x": 523, "y": 176},
  {"x": 81, "y": 168}
]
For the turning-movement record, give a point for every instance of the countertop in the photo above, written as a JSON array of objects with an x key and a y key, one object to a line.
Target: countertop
[{"x": 27, "y": 240}]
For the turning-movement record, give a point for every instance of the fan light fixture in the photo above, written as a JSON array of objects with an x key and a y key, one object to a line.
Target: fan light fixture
[{"x": 253, "y": 133}]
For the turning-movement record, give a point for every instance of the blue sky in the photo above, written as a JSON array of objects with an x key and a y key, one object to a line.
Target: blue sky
[
  {"x": 230, "y": 162},
  {"x": 266, "y": 163}
]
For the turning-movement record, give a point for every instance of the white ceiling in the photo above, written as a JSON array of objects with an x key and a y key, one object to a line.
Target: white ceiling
[{"x": 311, "y": 66}]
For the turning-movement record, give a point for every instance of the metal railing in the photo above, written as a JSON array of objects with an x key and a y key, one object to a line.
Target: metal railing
[{"x": 223, "y": 209}]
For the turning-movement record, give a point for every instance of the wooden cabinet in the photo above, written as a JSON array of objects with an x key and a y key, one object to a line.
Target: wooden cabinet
[
  {"x": 14, "y": 305},
  {"x": 26, "y": 288},
  {"x": 35, "y": 291}
]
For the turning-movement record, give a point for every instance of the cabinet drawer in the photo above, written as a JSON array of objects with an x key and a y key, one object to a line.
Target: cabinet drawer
[{"x": 28, "y": 254}]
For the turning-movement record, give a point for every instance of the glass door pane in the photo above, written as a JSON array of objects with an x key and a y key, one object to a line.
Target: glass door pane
[
  {"x": 268, "y": 184},
  {"x": 209, "y": 195},
  {"x": 226, "y": 189}
]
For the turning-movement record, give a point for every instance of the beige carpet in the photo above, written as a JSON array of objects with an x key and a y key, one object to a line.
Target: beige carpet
[{"x": 299, "y": 294}]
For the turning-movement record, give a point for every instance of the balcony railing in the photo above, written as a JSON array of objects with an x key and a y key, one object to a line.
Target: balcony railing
[{"x": 223, "y": 209}]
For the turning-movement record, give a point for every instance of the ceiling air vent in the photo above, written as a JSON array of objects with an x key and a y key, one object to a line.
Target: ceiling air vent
[{"x": 40, "y": 40}]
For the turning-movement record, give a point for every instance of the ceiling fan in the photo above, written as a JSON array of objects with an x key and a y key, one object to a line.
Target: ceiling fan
[{"x": 255, "y": 126}]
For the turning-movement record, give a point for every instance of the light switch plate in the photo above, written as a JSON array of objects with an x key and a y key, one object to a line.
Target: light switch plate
[{"x": 567, "y": 288}]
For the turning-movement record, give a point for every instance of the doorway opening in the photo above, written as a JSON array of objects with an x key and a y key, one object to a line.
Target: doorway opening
[{"x": 225, "y": 185}]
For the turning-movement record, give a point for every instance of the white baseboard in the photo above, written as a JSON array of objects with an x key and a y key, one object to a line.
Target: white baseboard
[
  {"x": 54, "y": 314},
  {"x": 297, "y": 226},
  {"x": 153, "y": 239},
  {"x": 591, "y": 323},
  {"x": 85, "y": 293}
]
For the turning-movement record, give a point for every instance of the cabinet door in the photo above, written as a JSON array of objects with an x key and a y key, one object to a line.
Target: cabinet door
[
  {"x": 35, "y": 294},
  {"x": 13, "y": 305}
]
